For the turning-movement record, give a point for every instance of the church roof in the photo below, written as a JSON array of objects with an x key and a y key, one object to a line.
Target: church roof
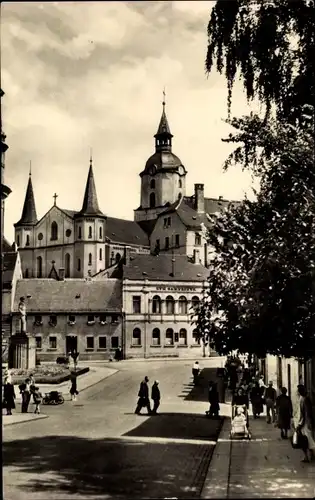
[
  {"x": 90, "y": 203},
  {"x": 70, "y": 295},
  {"x": 29, "y": 215},
  {"x": 126, "y": 231},
  {"x": 164, "y": 127},
  {"x": 163, "y": 160},
  {"x": 212, "y": 205},
  {"x": 189, "y": 216},
  {"x": 160, "y": 267}
]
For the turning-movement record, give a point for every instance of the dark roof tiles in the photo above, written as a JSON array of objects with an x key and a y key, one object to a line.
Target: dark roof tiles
[
  {"x": 161, "y": 267},
  {"x": 70, "y": 295},
  {"x": 29, "y": 215},
  {"x": 126, "y": 231}
]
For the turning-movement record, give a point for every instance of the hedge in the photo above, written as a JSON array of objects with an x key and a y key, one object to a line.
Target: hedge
[{"x": 54, "y": 379}]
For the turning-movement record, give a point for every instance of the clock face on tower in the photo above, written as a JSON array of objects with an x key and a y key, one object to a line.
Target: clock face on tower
[{"x": 181, "y": 170}]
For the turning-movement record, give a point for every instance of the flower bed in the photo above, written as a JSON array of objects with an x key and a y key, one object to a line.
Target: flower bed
[{"x": 46, "y": 374}]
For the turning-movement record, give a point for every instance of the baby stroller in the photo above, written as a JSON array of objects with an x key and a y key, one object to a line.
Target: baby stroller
[
  {"x": 53, "y": 398},
  {"x": 240, "y": 423}
]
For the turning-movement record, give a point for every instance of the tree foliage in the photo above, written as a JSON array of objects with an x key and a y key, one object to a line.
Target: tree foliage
[{"x": 271, "y": 46}]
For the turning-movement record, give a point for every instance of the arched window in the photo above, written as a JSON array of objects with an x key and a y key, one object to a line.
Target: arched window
[
  {"x": 26, "y": 274},
  {"x": 67, "y": 265},
  {"x": 156, "y": 337},
  {"x": 90, "y": 259},
  {"x": 152, "y": 184},
  {"x": 156, "y": 304},
  {"x": 101, "y": 233},
  {"x": 27, "y": 240},
  {"x": 79, "y": 232},
  {"x": 182, "y": 305},
  {"x": 183, "y": 336},
  {"x": 152, "y": 200},
  {"x": 180, "y": 183},
  {"x": 18, "y": 240},
  {"x": 101, "y": 254},
  {"x": 54, "y": 231},
  {"x": 79, "y": 264},
  {"x": 90, "y": 232},
  {"x": 195, "y": 337},
  {"x": 195, "y": 302},
  {"x": 39, "y": 267},
  {"x": 118, "y": 257},
  {"x": 170, "y": 305},
  {"x": 136, "y": 337},
  {"x": 169, "y": 336}
]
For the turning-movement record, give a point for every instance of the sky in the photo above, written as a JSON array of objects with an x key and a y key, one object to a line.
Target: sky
[{"x": 82, "y": 75}]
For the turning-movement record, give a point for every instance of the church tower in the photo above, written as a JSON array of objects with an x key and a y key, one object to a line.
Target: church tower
[
  {"x": 25, "y": 230},
  {"x": 89, "y": 247},
  {"x": 163, "y": 180}
]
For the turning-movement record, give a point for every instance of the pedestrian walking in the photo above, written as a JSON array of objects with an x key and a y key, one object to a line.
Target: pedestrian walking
[
  {"x": 8, "y": 396},
  {"x": 284, "y": 411},
  {"x": 143, "y": 395},
  {"x": 306, "y": 424},
  {"x": 195, "y": 372},
  {"x": 37, "y": 397},
  {"x": 25, "y": 391},
  {"x": 270, "y": 399},
  {"x": 73, "y": 386},
  {"x": 240, "y": 398},
  {"x": 256, "y": 400},
  {"x": 213, "y": 397},
  {"x": 155, "y": 396}
]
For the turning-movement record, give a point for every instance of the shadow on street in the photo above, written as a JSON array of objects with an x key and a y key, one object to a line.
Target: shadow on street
[
  {"x": 111, "y": 467},
  {"x": 178, "y": 426},
  {"x": 199, "y": 392}
]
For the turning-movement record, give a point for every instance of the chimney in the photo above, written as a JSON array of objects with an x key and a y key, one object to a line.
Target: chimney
[
  {"x": 127, "y": 256},
  {"x": 199, "y": 198},
  {"x": 62, "y": 273},
  {"x": 196, "y": 257}
]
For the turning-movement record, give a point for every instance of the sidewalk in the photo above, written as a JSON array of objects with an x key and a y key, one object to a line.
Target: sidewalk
[
  {"x": 92, "y": 377},
  {"x": 266, "y": 466}
]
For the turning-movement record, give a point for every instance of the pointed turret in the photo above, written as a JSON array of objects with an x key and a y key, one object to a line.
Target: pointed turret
[
  {"x": 163, "y": 137},
  {"x": 29, "y": 215},
  {"x": 90, "y": 203}
]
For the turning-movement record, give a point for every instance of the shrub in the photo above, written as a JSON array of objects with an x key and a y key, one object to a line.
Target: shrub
[{"x": 62, "y": 360}]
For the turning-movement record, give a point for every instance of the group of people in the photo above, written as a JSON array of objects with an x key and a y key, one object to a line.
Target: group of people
[
  {"x": 144, "y": 399},
  {"x": 27, "y": 389}
]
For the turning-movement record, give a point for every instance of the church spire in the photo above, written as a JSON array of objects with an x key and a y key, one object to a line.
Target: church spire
[
  {"x": 29, "y": 215},
  {"x": 90, "y": 203},
  {"x": 163, "y": 137}
]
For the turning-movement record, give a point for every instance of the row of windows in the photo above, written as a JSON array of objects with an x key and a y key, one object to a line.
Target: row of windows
[
  {"x": 91, "y": 319},
  {"x": 54, "y": 234},
  {"x": 90, "y": 342},
  {"x": 152, "y": 183},
  {"x": 169, "y": 303},
  {"x": 170, "y": 338}
]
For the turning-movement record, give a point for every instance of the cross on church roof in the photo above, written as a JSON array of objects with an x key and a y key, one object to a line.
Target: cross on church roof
[{"x": 55, "y": 198}]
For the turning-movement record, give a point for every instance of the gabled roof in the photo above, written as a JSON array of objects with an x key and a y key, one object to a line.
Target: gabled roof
[
  {"x": 70, "y": 295},
  {"x": 147, "y": 225},
  {"x": 126, "y": 231},
  {"x": 161, "y": 267},
  {"x": 29, "y": 215},
  {"x": 189, "y": 217},
  {"x": 212, "y": 205}
]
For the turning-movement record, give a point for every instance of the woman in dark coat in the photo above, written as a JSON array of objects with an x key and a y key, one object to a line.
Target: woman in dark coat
[
  {"x": 8, "y": 397},
  {"x": 284, "y": 412},
  {"x": 256, "y": 400},
  {"x": 240, "y": 398},
  {"x": 213, "y": 397}
]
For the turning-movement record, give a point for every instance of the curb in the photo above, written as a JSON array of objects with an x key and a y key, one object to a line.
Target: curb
[
  {"x": 100, "y": 380},
  {"x": 41, "y": 417},
  {"x": 216, "y": 483}
]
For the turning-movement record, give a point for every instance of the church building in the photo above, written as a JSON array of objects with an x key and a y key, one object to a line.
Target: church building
[{"x": 83, "y": 243}]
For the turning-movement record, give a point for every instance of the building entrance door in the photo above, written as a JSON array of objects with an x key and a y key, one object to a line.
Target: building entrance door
[{"x": 71, "y": 343}]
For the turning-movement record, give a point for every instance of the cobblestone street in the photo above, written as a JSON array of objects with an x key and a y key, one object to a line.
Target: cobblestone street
[{"x": 98, "y": 448}]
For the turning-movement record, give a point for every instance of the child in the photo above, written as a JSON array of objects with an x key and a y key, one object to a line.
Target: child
[
  {"x": 239, "y": 423},
  {"x": 37, "y": 397}
]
